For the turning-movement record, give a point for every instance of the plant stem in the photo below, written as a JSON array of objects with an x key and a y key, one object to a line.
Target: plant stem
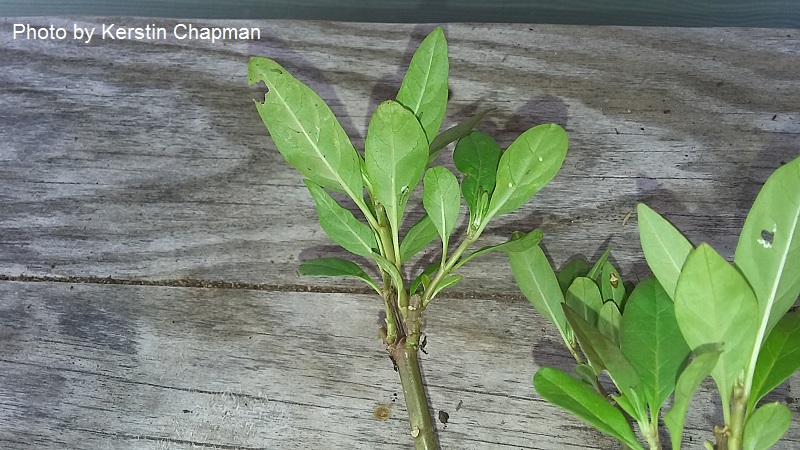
[
  {"x": 419, "y": 415},
  {"x": 738, "y": 411}
]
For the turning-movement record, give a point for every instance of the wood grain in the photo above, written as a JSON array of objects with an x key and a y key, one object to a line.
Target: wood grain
[
  {"x": 92, "y": 366},
  {"x": 147, "y": 161}
]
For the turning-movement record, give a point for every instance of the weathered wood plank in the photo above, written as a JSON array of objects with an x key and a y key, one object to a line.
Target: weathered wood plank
[
  {"x": 92, "y": 366},
  {"x": 147, "y": 159}
]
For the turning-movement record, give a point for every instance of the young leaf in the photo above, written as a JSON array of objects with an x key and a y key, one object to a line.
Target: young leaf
[
  {"x": 778, "y": 359},
  {"x": 576, "y": 397},
  {"x": 609, "y": 321},
  {"x": 613, "y": 360},
  {"x": 389, "y": 268},
  {"x": 538, "y": 283},
  {"x": 596, "y": 269},
  {"x": 530, "y": 162},
  {"x": 766, "y": 426},
  {"x": 305, "y": 130},
  {"x": 687, "y": 384},
  {"x": 714, "y": 303},
  {"x": 423, "y": 278},
  {"x": 768, "y": 252},
  {"x": 664, "y": 247},
  {"x": 573, "y": 269},
  {"x": 335, "y": 267},
  {"x": 447, "y": 282},
  {"x": 652, "y": 342},
  {"x": 395, "y": 157},
  {"x": 340, "y": 224},
  {"x": 418, "y": 237},
  {"x": 442, "y": 201},
  {"x": 476, "y": 156},
  {"x": 519, "y": 242},
  {"x": 455, "y": 133},
  {"x": 611, "y": 286},
  {"x": 424, "y": 88},
  {"x": 584, "y": 297}
]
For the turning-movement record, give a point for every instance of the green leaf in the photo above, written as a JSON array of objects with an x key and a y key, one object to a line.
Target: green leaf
[
  {"x": 584, "y": 297},
  {"x": 340, "y": 224},
  {"x": 517, "y": 243},
  {"x": 423, "y": 278},
  {"x": 714, "y": 303},
  {"x": 305, "y": 130},
  {"x": 768, "y": 252},
  {"x": 389, "y": 268},
  {"x": 455, "y": 133},
  {"x": 652, "y": 342},
  {"x": 418, "y": 237},
  {"x": 778, "y": 359},
  {"x": 664, "y": 247},
  {"x": 424, "y": 88},
  {"x": 610, "y": 356},
  {"x": 476, "y": 156},
  {"x": 766, "y": 426},
  {"x": 538, "y": 283},
  {"x": 573, "y": 269},
  {"x": 447, "y": 282},
  {"x": 596, "y": 269},
  {"x": 395, "y": 157},
  {"x": 335, "y": 267},
  {"x": 609, "y": 321},
  {"x": 562, "y": 390},
  {"x": 688, "y": 382},
  {"x": 442, "y": 201},
  {"x": 611, "y": 286},
  {"x": 530, "y": 162}
]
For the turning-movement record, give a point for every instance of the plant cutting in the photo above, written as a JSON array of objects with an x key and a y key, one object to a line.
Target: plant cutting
[
  {"x": 402, "y": 143},
  {"x": 699, "y": 315}
]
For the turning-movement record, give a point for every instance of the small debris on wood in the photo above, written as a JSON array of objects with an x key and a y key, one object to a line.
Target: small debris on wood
[
  {"x": 443, "y": 417},
  {"x": 382, "y": 412},
  {"x": 458, "y": 406}
]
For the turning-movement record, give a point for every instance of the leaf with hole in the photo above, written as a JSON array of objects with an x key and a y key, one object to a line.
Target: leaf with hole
[
  {"x": 340, "y": 224},
  {"x": 611, "y": 286},
  {"x": 578, "y": 398},
  {"x": 424, "y": 87},
  {"x": 335, "y": 267},
  {"x": 768, "y": 252},
  {"x": 305, "y": 130}
]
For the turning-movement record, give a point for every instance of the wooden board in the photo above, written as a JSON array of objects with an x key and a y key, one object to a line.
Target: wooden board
[
  {"x": 131, "y": 367},
  {"x": 145, "y": 162}
]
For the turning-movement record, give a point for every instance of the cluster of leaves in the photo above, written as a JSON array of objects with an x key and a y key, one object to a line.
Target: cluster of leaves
[
  {"x": 402, "y": 143},
  {"x": 698, "y": 315}
]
